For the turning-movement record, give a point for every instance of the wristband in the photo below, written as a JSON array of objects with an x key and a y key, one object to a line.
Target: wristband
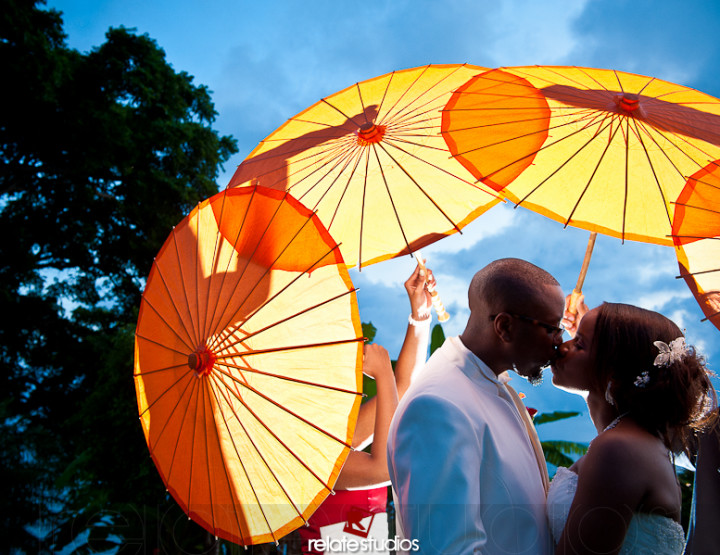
[{"x": 413, "y": 322}]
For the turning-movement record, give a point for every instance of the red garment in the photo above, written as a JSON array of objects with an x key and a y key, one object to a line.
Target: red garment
[{"x": 344, "y": 506}]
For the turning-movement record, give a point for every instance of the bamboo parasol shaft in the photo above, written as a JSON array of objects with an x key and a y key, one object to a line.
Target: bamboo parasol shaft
[{"x": 572, "y": 308}]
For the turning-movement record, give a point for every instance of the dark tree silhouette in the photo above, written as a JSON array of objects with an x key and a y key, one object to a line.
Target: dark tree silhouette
[{"x": 102, "y": 153}]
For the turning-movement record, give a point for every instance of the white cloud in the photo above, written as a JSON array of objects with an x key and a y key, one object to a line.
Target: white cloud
[
  {"x": 267, "y": 61},
  {"x": 453, "y": 293},
  {"x": 647, "y": 273},
  {"x": 680, "y": 317},
  {"x": 657, "y": 300},
  {"x": 390, "y": 273},
  {"x": 651, "y": 38},
  {"x": 494, "y": 222},
  {"x": 529, "y": 33},
  {"x": 453, "y": 290}
]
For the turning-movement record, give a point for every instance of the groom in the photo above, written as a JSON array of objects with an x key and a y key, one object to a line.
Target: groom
[{"x": 464, "y": 458}]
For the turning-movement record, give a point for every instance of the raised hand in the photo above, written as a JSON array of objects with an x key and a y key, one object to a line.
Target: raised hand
[
  {"x": 376, "y": 361},
  {"x": 417, "y": 289},
  {"x": 570, "y": 320}
]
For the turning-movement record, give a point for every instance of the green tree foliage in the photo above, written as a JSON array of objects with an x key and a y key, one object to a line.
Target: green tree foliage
[
  {"x": 369, "y": 331},
  {"x": 559, "y": 453},
  {"x": 102, "y": 153},
  {"x": 686, "y": 478},
  {"x": 437, "y": 338}
]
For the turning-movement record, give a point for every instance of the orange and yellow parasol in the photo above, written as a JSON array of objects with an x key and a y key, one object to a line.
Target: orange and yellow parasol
[
  {"x": 372, "y": 162},
  {"x": 248, "y": 357},
  {"x": 597, "y": 149}
]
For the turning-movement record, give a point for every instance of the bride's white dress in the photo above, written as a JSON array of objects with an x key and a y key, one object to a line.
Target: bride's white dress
[{"x": 647, "y": 534}]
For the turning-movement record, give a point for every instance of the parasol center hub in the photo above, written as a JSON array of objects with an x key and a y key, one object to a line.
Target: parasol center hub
[
  {"x": 628, "y": 102},
  {"x": 370, "y": 133},
  {"x": 202, "y": 362}
]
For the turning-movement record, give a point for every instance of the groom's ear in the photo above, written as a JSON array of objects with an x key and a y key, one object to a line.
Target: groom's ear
[{"x": 503, "y": 327}]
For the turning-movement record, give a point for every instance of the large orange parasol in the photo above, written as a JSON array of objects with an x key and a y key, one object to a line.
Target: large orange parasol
[
  {"x": 248, "y": 357},
  {"x": 696, "y": 232},
  {"x": 371, "y": 161},
  {"x": 597, "y": 149}
]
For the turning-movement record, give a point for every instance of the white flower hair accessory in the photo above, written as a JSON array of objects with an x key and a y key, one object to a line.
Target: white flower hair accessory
[
  {"x": 670, "y": 353},
  {"x": 643, "y": 379}
]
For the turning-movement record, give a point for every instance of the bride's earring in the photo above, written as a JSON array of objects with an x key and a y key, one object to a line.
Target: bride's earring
[
  {"x": 514, "y": 367},
  {"x": 608, "y": 395}
]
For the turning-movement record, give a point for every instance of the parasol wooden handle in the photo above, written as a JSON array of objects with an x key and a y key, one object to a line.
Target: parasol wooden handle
[
  {"x": 442, "y": 315},
  {"x": 572, "y": 305}
]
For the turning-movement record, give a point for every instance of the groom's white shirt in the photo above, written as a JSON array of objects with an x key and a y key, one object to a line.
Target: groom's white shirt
[{"x": 463, "y": 468}]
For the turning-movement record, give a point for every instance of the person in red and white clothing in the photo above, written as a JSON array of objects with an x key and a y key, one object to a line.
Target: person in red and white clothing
[{"x": 361, "y": 487}]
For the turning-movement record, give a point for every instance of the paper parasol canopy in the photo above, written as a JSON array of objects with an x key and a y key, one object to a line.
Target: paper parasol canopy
[
  {"x": 696, "y": 232},
  {"x": 248, "y": 359},
  {"x": 372, "y": 162},
  {"x": 597, "y": 149}
]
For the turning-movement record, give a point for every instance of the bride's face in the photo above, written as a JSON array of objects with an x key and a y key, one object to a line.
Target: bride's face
[{"x": 573, "y": 367}]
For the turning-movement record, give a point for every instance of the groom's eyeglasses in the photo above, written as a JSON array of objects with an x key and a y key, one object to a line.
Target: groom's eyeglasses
[{"x": 551, "y": 329}]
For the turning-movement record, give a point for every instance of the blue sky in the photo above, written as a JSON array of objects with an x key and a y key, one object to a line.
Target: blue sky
[{"x": 266, "y": 61}]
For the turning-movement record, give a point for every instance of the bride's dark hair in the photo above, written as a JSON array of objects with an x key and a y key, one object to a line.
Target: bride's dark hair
[{"x": 673, "y": 401}]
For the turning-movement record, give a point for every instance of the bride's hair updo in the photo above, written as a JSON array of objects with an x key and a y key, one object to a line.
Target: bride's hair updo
[{"x": 672, "y": 398}]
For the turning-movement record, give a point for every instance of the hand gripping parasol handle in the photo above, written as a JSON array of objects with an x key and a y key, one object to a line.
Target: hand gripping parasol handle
[
  {"x": 572, "y": 308},
  {"x": 442, "y": 315}
]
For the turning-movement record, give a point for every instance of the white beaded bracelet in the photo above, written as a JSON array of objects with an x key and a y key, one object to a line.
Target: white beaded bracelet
[{"x": 413, "y": 322}]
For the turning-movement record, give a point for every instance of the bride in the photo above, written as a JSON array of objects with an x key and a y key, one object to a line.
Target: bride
[{"x": 646, "y": 393}]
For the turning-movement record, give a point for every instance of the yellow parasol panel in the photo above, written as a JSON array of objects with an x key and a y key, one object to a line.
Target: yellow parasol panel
[{"x": 371, "y": 161}]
